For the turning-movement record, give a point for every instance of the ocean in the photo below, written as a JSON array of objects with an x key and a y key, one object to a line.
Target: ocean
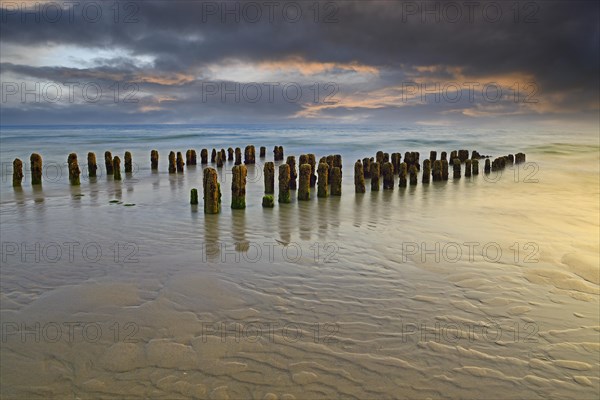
[{"x": 479, "y": 287}]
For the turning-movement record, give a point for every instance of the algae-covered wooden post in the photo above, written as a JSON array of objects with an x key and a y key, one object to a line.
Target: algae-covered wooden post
[
  {"x": 172, "y": 163},
  {"x": 426, "y": 170},
  {"x": 375, "y": 176},
  {"x": 413, "y": 171},
  {"x": 284, "y": 183},
  {"x": 475, "y": 155},
  {"x": 194, "y": 196},
  {"x": 219, "y": 160},
  {"x": 92, "y": 166},
  {"x": 230, "y": 154},
  {"x": 188, "y": 157},
  {"x": 416, "y": 163},
  {"x": 463, "y": 155},
  {"x": 475, "y": 166},
  {"x": 323, "y": 182},
  {"x": 128, "y": 163},
  {"x": 108, "y": 162},
  {"x": 436, "y": 174},
  {"x": 443, "y": 156},
  {"x": 223, "y": 155},
  {"x": 117, "y": 168},
  {"x": 238, "y": 156},
  {"x": 154, "y": 159},
  {"x": 17, "y": 172},
  {"x": 249, "y": 155},
  {"x": 312, "y": 161},
  {"x": 204, "y": 156},
  {"x": 511, "y": 159},
  {"x": 487, "y": 167},
  {"x": 468, "y": 167},
  {"x": 359, "y": 177},
  {"x": 212, "y": 191},
  {"x": 36, "y": 169},
  {"x": 379, "y": 157},
  {"x": 396, "y": 157},
  {"x": 213, "y": 156},
  {"x": 304, "y": 182},
  {"x": 180, "y": 163},
  {"x": 456, "y": 168},
  {"x": 291, "y": 161},
  {"x": 453, "y": 155},
  {"x": 194, "y": 160},
  {"x": 267, "y": 201},
  {"x": 238, "y": 187},
  {"x": 262, "y": 152},
  {"x": 269, "y": 176},
  {"x": 402, "y": 174},
  {"x": 519, "y": 158},
  {"x": 336, "y": 181},
  {"x": 388, "y": 175},
  {"x": 367, "y": 167},
  {"x": 74, "y": 171},
  {"x": 444, "y": 170},
  {"x": 337, "y": 161},
  {"x": 280, "y": 152}
]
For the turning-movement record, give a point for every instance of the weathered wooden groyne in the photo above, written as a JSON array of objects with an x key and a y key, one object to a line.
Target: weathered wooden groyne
[{"x": 302, "y": 176}]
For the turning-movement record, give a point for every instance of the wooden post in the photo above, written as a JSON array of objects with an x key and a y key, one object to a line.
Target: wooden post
[
  {"x": 74, "y": 171},
  {"x": 437, "y": 171},
  {"x": 238, "y": 156},
  {"x": 116, "y": 168},
  {"x": 213, "y": 156},
  {"x": 487, "y": 168},
  {"x": 212, "y": 191},
  {"x": 204, "y": 156},
  {"x": 263, "y": 152},
  {"x": 291, "y": 161},
  {"x": 468, "y": 168},
  {"x": 238, "y": 187},
  {"x": 249, "y": 155},
  {"x": 304, "y": 182},
  {"x": 172, "y": 163},
  {"x": 475, "y": 166},
  {"x": 375, "y": 176},
  {"x": 230, "y": 154},
  {"x": 153, "y": 159},
  {"x": 432, "y": 156},
  {"x": 194, "y": 160},
  {"x": 269, "y": 176},
  {"x": 17, "y": 172},
  {"x": 413, "y": 171},
  {"x": 463, "y": 155},
  {"x": 402, "y": 174},
  {"x": 379, "y": 157},
  {"x": 443, "y": 156},
  {"x": 336, "y": 181},
  {"x": 519, "y": 158},
  {"x": 367, "y": 167},
  {"x": 194, "y": 196},
  {"x": 108, "y": 163},
  {"x": 267, "y": 201},
  {"x": 188, "y": 157},
  {"x": 444, "y": 170},
  {"x": 219, "y": 160},
  {"x": 312, "y": 161},
  {"x": 388, "y": 175},
  {"x": 396, "y": 159},
  {"x": 456, "y": 168},
  {"x": 426, "y": 171},
  {"x": 323, "y": 183},
  {"x": 359, "y": 177},
  {"x": 180, "y": 163},
  {"x": 128, "y": 163},
  {"x": 92, "y": 166},
  {"x": 284, "y": 183},
  {"x": 453, "y": 155}
]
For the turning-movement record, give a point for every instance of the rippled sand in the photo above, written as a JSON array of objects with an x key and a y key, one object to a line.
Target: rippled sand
[{"x": 203, "y": 315}]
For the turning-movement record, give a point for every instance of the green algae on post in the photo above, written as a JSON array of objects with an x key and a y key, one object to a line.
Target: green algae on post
[
  {"x": 312, "y": 161},
  {"x": 108, "y": 162},
  {"x": 128, "y": 163},
  {"x": 204, "y": 156},
  {"x": 436, "y": 174},
  {"x": 212, "y": 191},
  {"x": 402, "y": 174},
  {"x": 172, "y": 163},
  {"x": 238, "y": 187},
  {"x": 190, "y": 157},
  {"x": 426, "y": 170},
  {"x": 194, "y": 196},
  {"x": 249, "y": 155},
  {"x": 269, "y": 176},
  {"x": 336, "y": 181},
  {"x": 74, "y": 171},
  {"x": 359, "y": 177},
  {"x": 375, "y": 176},
  {"x": 267, "y": 201},
  {"x": 304, "y": 182},
  {"x": 323, "y": 182},
  {"x": 17, "y": 172},
  {"x": 117, "y": 168},
  {"x": 412, "y": 172},
  {"x": 284, "y": 183},
  {"x": 291, "y": 161},
  {"x": 92, "y": 166},
  {"x": 388, "y": 175}
]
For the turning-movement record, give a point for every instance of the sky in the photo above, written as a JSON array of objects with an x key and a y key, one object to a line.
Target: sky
[{"x": 464, "y": 63}]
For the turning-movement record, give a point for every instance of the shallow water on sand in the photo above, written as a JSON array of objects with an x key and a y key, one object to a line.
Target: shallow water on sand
[{"x": 483, "y": 287}]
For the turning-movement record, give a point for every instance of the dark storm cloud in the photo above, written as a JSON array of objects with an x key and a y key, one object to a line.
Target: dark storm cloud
[{"x": 553, "y": 42}]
